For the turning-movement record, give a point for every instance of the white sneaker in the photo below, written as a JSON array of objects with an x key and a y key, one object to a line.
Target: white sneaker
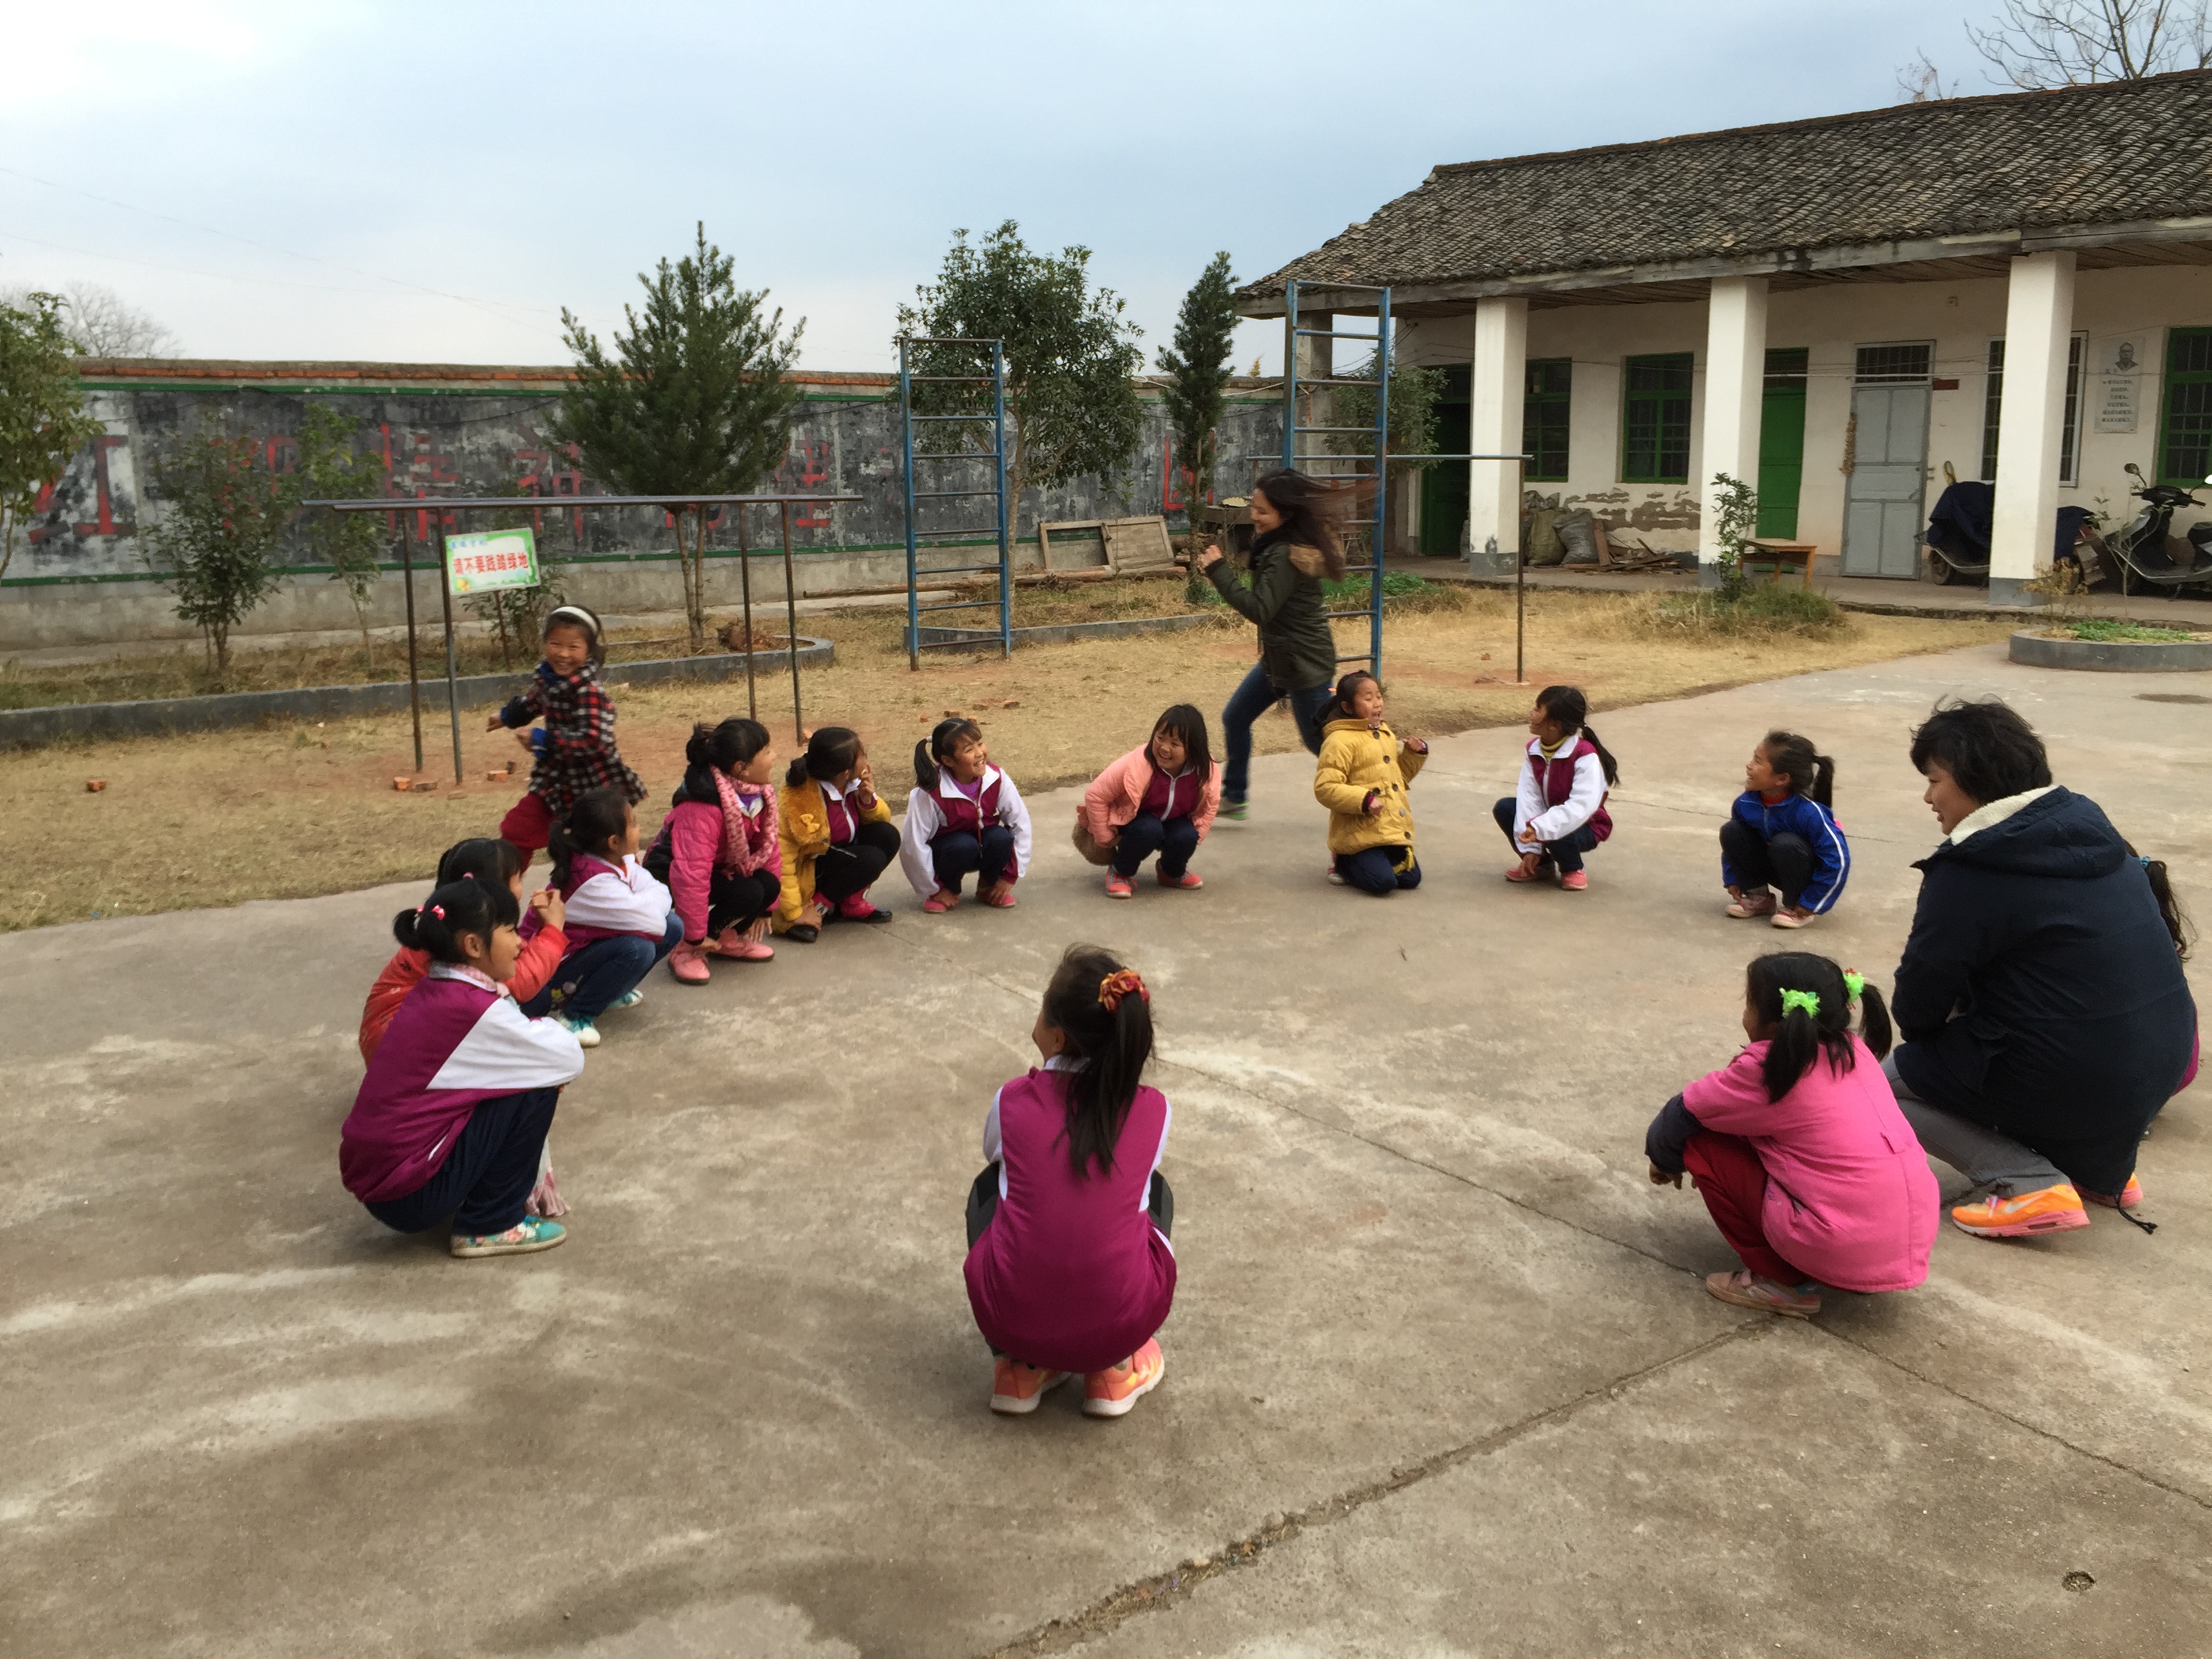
[
  {"x": 1337, "y": 876},
  {"x": 585, "y": 1033}
]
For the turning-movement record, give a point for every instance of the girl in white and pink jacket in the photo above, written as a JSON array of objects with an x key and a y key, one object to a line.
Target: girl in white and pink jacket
[{"x": 620, "y": 919}]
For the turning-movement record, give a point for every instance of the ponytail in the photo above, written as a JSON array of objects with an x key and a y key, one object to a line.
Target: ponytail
[
  {"x": 498, "y": 862},
  {"x": 597, "y": 818},
  {"x": 2169, "y": 907},
  {"x": 1809, "y": 1001},
  {"x": 831, "y": 749},
  {"x": 470, "y": 908},
  {"x": 944, "y": 737},
  {"x": 1811, "y": 774},
  {"x": 1568, "y": 706},
  {"x": 1105, "y": 1012},
  {"x": 725, "y": 747}
]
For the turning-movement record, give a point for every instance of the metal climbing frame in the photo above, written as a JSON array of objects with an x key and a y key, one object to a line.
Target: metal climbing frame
[
  {"x": 919, "y": 541},
  {"x": 1372, "y": 465}
]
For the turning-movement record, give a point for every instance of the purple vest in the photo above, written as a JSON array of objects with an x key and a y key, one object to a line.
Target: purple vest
[{"x": 1556, "y": 777}]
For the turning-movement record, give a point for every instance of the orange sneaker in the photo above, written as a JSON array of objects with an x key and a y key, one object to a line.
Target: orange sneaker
[
  {"x": 1111, "y": 1392},
  {"x": 2130, "y": 1196},
  {"x": 1016, "y": 1388},
  {"x": 2051, "y": 1210}
]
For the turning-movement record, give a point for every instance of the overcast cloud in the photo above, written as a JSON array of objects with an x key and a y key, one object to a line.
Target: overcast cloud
[{"x": 410, "y": 182}]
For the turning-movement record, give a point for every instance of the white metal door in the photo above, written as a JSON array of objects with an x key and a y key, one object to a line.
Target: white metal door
[{"x": 1882, "y": 503}]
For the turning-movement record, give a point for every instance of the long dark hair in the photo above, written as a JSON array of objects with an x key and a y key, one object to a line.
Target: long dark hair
[
  {"x": 1567, "y": 705},
  {"x": 1339, "y": 707},
  {"x": 1803, "y": 1036},
  {"x": 597, "y": 818},
  {"x": 1185, "y": 722},
  {"x": 468, "y": 906},
  {"x": 1811, "y": 775},
  {"x": 831, "y": 749},
  {"x": 1309, "y": 507},
  {"x": 488, "y": 859},
  {"x": 2169, "y": 907},
  {"x": 1107, "y": 1050},
  {"x": 725, "y": 747},
  {"x": 1989, "y": 751},
  {"x": 943, "y": 738}
]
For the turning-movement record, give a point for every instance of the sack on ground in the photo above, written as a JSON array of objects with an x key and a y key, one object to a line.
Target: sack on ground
[
  {"x": 1091, "y": 851},
  {"x": 1542, "y": 539},
  {"x": 1577, "y": 530}
]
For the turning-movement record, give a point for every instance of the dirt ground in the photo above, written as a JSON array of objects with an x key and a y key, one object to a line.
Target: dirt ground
[{"x": 220, "y": 818}]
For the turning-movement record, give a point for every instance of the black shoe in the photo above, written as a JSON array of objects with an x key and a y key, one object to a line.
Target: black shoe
[
  {"x": 805, "y": 932},
  {"x": 878, "y": 914}
]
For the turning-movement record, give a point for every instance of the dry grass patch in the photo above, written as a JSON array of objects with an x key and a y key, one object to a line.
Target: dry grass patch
[{"x": 218, "y": 818}]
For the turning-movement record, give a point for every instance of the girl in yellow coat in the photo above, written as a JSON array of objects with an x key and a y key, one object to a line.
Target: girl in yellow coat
[
  {"x": 836, "y": 834},
  {"x": 1362, "y": 777}
]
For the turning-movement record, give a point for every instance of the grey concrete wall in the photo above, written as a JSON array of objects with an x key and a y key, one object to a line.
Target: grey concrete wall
[{"x": 84, "y": 576}]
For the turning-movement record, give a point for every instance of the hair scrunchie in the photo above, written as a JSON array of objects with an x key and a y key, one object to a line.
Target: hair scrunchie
[
  {"x": 1808, "y": 1000},
  {"x": 1116, "y": 986},
  {"x": 1853, "y": 984}
]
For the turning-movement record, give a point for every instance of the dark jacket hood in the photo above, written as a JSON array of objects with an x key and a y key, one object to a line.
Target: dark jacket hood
[
  {"x": 2060, "y": 834},
  {"x": 698, "y": 786}
]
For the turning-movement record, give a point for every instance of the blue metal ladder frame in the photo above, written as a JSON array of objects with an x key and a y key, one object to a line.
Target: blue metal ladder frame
[
  {"x": 1377, "y": 457},
  {"x": 919, "y": 541}
]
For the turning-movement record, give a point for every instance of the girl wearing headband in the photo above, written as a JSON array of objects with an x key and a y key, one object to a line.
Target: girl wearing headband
[
  {"x": 1797, "y": 1147},
  {"x": 575, "y": 750},
  {"x": 1069, "y": 1269}
]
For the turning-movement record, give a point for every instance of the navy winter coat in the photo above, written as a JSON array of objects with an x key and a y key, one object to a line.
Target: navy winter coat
[
  {"x": 1800, "y": 816},
  {"x": 2040, "y": 994}
]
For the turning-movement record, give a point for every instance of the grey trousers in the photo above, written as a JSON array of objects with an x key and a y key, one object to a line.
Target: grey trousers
[{"x": 1983, "y": 1156}]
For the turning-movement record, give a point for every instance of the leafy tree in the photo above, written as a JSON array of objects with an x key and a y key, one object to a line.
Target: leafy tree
[
  {"x": 1198, "y": 370},
  {"x": 332, "y": 469},
  {"x": 693, "y": 402},
  {"x": 1736, "y": 515},
  {"x": 1413, "y": 396},
  {"x": 1069, "y": 352},
  {"x": 226, "y": 514},
  {"x": 43, "y": 420}
]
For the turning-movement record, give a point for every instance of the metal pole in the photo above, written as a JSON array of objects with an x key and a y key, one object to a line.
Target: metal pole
[
  {"x": 1290, "y": 374},
  {"x": 414, "y": 678},
  {"x": 746, "y": 583},
  {"x": 790, "y": 633},
  {"x": 452, "y": 669},
  {"x": 1520, "y": 580},
  {"x": 1381, "y": 474},
  {"x": 906, "y": 446},
  {"x": 1005, "y": 545}
]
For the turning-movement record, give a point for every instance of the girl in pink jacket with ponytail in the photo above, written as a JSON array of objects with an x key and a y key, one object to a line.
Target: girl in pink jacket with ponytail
[
  {"x": 1159, "y": 799},
  {"x": 718, "y": 849}
]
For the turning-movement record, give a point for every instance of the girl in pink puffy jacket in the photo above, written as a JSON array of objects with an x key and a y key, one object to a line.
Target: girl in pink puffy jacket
[
  {"x": 718, "y": 849},
  {"x": 1159, "y": 799}
]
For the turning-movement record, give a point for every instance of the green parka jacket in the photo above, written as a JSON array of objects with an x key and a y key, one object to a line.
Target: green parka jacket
[{"x": 1296, "y": 647}]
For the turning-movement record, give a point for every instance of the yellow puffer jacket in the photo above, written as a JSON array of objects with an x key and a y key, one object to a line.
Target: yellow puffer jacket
[
  {"x": 802, "y": 825},
  {"x": 1355, "y": 760}
]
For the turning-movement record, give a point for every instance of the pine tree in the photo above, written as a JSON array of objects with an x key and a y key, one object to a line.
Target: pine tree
[{"x": 1198, "y": 369}]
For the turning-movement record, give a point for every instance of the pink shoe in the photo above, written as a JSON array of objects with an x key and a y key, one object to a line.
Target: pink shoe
[
  {"x": 1187, "y": 882},
  {"x": 1759, "y": 903},
  {"x": 1003, "y": 900},
  {"x": 1117, "y": 884},
  {"x": 855, "y": 907},
  {"x": 1522, "y": 873},
  {"x": 1575, "y": 880},
  {"x": 688, "y": 963},
  {"x": 941, "y": 901},
  {"x": 1745, "y": 1288},
  {"x": 733, "y": 944}
]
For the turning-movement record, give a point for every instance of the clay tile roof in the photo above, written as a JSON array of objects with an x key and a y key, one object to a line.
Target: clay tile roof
[{"x": 2118, "y": 153}]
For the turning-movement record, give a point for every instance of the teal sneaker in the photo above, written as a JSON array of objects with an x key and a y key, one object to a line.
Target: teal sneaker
[
  {"x": 532, "y": 1233},
  {"x": 585, "y": 1033},
  {"x": 1234, "y": 811},
  {"x": 628, "y": 999}
]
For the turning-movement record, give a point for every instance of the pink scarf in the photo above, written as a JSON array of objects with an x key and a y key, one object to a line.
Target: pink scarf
[{"x": 736, "y": 844}]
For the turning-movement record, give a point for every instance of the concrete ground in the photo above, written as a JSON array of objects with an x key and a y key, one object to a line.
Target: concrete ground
[{"x": 1441, "y": 1380}]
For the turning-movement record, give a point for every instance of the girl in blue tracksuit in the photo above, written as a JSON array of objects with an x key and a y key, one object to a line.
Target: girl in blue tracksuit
[{"x": 1782, "y": 835}]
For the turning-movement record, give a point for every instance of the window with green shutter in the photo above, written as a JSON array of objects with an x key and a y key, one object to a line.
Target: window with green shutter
[
  {"x": 1544, "y": 417},
  {"x": 2184, "y": 428},
  {"x": 1654, "y": 444}
]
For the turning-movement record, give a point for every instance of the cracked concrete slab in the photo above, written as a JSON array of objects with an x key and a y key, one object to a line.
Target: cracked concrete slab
[{"x": 743, "y": 1411}]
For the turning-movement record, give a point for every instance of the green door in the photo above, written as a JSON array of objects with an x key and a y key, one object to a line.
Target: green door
[
  {"x": 1782, "y": 444},
  {"x": 1443, "y": 486}
]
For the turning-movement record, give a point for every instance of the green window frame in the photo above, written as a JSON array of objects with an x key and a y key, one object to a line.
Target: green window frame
[
  {"x": 2185, "y": 422},
  {"x": 1654, "y": 419},
  {"x": 1545, "y": 411}
]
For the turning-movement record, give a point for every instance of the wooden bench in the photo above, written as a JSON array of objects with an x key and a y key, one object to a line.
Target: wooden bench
[{"x": 1773, "y": 552}]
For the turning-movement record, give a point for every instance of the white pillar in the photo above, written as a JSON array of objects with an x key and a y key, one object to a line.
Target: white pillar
[
  {"x": 1500, "y": 379},
  {"x": 1736, "y": 380},
  {"x": 2038, "y": 320}
]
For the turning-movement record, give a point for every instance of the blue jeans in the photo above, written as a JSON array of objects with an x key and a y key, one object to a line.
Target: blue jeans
[
  {"x": 485, "y": 1183},
  {"x": 1379, "y": 870},
  {"x": 1252, "y": 698},
  {"x": 593, "y": 976},
  {"x": 1566, "y": 851},
  {"x": 990, "y": 855},
  {"x": 1175, "y": 841}
]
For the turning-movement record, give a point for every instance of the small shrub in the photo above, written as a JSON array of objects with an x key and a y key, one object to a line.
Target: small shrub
[
  {"x": 2101, "y": 631},
  {"x": 1402, "y": 591},
  {"x": 1768, "y": 610}
]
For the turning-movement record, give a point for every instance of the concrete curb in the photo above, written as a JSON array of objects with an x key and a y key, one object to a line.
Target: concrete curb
[
  {"x": 2112, "y": 656},
  {"x": 22, "y": 728},
  {"x": 1062, "y": 633}
]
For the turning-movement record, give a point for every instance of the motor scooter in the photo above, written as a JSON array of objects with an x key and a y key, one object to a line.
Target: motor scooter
[{"x": 2138, "y": 549}]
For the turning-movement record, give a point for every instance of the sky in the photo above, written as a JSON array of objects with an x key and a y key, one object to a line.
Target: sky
[{"x": 415, "y": 182}]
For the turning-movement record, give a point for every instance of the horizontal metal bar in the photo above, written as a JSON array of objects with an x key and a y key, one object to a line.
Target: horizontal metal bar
[
  {"x": 1358, "y": 656},
  {"x": 1334, "y": 615},
  {"x": 952, "y": 380},
  {"x": 1337, "y": 287},
  {"x": 954, "y": 570},
  {"x": 949, "y": 494},
  {"x": 1370, "y": 427},
  {"x": 944, "y": 340},
  {"x": 1353, "y": 569},
  {"x": 1462, "y": 458},
  {"x": 952, "y": 417},
  {"x": 1330, "y": 334},
  {"x": 987, "y": 530},
  {"x": 951, "y": 455},
  {"x": 461, "y": 503},
  {"x": 972, "y": 605},
  {"x": 1319, "y": 380}
]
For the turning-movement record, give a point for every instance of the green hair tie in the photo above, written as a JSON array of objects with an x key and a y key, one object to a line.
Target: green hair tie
[
  {"x": 1853, "y": 984},
  {"x": 1808, "y": 1000}
]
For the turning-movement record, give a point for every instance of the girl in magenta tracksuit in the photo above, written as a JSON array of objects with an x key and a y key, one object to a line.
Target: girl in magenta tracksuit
[
  {"x": 964, "y": 814},
  {"x": 719, "y": 851},
  {"x": 1069, "y": 1267},
  {"x": 450, "y": 1123},
  {"x": 620, "y": 920},
  {"x": 1798, "y": 1148},
  {"x": 1558, "y": 813}
]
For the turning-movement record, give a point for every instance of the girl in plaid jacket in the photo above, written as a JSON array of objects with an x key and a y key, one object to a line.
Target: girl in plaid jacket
[{"x": 575, "y": 750}]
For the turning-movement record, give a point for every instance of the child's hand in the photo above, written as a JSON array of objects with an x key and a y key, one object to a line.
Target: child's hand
[
  {"x": 551, "y": 912},
  {"x": 524, "y": 737},
  {"x": 1373, "y": 805},
  {"x": 867, "y": 776},
  {"x": 1660, "y": 1178},
  {"x": 494, "y": 724},
  {"x": 1419, "y": 746},
  {"x": 1528, "y": 834}
]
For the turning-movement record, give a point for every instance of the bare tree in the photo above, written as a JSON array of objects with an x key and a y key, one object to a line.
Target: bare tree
[
  {"x": 1921, "y": 83},
  {"x": 101, "y": 323},
  {"x": 2038, "y": 44}
]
